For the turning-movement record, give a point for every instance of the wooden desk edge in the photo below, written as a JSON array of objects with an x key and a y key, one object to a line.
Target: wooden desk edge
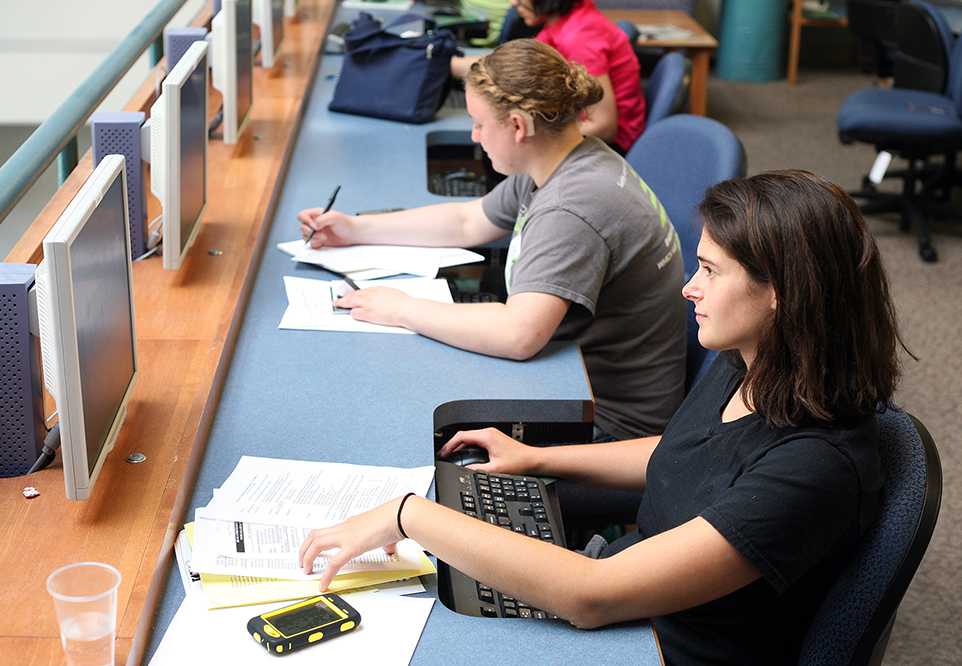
[{"x": 28, "y": 249}]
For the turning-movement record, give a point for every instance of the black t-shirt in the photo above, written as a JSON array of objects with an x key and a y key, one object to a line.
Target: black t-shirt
[{"x": 793, "y": 501}]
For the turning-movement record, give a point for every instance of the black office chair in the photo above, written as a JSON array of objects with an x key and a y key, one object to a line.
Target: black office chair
[
  {"x": 920, "y": 126},
  {"x": 852, "y": 625},
  {"x": 873, "y": 24}
]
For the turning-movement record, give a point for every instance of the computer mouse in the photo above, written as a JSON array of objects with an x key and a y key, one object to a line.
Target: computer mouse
[{"x": 469, "y": 455}]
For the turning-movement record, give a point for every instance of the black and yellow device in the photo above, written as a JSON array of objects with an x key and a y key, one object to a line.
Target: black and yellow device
[{"x": 303, "y": 624}]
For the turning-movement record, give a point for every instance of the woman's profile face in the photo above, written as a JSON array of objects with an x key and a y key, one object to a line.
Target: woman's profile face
[
  {"x": 731, "y": 309},
  {"x": 495, "y": 136},
  {"x": 527, "y": 13}
]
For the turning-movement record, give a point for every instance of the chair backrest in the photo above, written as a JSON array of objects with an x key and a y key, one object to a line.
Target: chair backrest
[
  {"x": 512, "y": 27},
  {"x": 924, "y": 43},
  {"x": 664, "y": 87},
  {"x": 873, "y": 24},
  {"x": 852, "y": 624},
  {"x": 679, "y": 158}
]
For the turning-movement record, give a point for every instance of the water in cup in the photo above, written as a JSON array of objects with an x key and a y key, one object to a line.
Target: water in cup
[{"x": 88, "y": 639}]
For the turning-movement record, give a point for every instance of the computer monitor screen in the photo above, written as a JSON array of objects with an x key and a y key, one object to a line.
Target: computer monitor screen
[
  {"x": 277, "y": 24},
  {"x": 232, "y": 63},
  {"x": 269, "y": 17},
  {"x": 193, "y": 150},
  {"x": 86, "y": 314},
  {"x": 178, "y": 152},
  {"x": 244, "y": 49}
]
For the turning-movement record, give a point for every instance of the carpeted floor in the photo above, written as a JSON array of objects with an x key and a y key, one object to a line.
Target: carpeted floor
[{"x": 794, "y": 127}]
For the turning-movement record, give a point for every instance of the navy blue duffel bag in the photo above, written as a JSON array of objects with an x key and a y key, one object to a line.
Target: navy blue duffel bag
[{"x": 388, "y": 76}]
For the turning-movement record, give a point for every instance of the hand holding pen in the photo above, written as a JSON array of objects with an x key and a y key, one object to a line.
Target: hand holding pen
[{"x": 330, "y": 202}]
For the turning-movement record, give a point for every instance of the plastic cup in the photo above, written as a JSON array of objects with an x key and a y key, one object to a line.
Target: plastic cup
[{"x": 85, "y": 598}]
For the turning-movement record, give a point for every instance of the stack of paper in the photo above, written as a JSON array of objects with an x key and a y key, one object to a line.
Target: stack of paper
[
  {"x": 310, "y": 303},
  {"x": 369, "y": 262},
  {"x": 244, "y": 544}
]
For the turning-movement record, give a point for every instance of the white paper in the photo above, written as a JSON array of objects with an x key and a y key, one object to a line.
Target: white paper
[
  {"x": 310, "y": 305},
  {"x": 422, "y": 261},
  {"x": 248, "y": 549},
  {"x": 184, "y": 553},
  {"x": 389, "y": 632},
  {"x": 303, "y": 493}
]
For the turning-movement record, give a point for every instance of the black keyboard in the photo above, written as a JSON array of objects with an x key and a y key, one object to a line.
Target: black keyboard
[
  {"x": 523, "y": 504},
  {"x": 460, "y": 183},
  {"x": 473, "y": 297}
]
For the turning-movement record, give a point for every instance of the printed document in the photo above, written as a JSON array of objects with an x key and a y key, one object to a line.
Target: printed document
[
  {"x": 422, "y": 261},
  {"x": 310, "y": 303},
  {"x": 249, "y": 549},
  {"x": 304, "y": 493}
]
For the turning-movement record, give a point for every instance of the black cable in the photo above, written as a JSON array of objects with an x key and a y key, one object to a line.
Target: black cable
[{"x": 49, "y": 451}]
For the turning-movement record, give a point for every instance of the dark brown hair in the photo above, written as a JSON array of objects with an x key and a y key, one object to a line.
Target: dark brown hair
[
  {"x": 829, "y": 353},
  {"x": 528, "y": 75}
]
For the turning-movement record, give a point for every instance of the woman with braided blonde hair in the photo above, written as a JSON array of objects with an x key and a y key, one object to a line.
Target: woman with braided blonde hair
[{"x": 593, "y": 257}]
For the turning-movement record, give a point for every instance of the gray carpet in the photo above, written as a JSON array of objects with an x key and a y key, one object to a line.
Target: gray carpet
[{"x": 785, "y": 127}]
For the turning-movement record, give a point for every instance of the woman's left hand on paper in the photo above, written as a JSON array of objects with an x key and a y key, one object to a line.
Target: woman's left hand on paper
[
  {"x": 377, "y": 305},
  {"x": 366, "y": 531}
]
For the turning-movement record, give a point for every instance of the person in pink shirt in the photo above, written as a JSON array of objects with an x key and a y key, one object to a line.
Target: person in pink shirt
[{"x": 582, "y": 34}]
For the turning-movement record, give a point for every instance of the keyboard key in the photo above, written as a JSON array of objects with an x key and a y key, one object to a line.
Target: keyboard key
[
  {"x": 524, "y": 612},
  {"x": 511, "y": 612},
  {"x": 526, "y": 511},
  {"x": 503, "y": 520},
  {"x": 491, "y": 518},
  {"x": 487, "y": 611},
  {"x": 539, "y": 614},
  {"x": 531, "y": 532},
  {"x": 519, "y": 529},
  {"x": 486, "y": 596}
]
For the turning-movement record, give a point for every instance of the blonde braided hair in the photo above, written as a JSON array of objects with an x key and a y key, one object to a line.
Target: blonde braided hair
[{"x": 528, "y": 75}]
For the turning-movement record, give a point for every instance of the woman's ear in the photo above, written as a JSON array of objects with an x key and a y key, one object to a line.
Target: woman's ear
[{"x": 522, "y": 123}]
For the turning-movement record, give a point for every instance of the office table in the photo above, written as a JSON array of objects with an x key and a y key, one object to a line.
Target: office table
[
  {"x": 369, "y": 398},
  {"x": 699, "y": 45}
]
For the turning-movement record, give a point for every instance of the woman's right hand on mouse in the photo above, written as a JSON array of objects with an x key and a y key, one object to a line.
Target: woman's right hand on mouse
[
  {"x": 505, "y": 455},
  {"x": 331, "y": 229}
]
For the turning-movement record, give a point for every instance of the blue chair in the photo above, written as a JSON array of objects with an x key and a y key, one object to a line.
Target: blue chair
[
  {"x": 916, "y": 125},
  {"x": 665, "y": 89},
  {"x": 679, "y": 158},
  {"x": 853, "y": 623}
]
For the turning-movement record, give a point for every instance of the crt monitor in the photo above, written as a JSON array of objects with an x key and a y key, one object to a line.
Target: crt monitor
[
  {"x": 178, "y": 152},
  {"x": 232, "y": 64},
  {"x": 85, "y": 309},
  {"x": 269, "y": 17}
]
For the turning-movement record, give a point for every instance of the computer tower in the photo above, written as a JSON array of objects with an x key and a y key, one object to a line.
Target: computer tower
[
  {"x": 178, "y": 40},
  {"x": 22, "y": 427},
  {"x": 120, "y": 133}
]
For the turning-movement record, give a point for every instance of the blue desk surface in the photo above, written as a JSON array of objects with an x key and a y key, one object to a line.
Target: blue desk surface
[{"x": 369, "y": 398}]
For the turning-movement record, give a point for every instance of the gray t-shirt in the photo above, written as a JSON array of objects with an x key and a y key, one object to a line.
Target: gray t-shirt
[{"x": 595, "y": 235}]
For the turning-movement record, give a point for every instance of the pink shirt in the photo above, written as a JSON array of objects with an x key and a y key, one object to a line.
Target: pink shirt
[{"x": 587, "y": 37}]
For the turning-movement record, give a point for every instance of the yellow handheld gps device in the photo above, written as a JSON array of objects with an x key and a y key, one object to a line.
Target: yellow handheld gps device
[{"x": 302, "y": 624}]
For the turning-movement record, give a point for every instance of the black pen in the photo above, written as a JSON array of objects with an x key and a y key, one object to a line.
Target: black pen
[{"x": 330, "y": 202}]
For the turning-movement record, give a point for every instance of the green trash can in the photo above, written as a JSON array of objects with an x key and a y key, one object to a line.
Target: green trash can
[{"x": 752, "y": 41}]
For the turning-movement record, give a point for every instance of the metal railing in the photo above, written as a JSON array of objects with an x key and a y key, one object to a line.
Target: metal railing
[{"x": 58, "y": 133}]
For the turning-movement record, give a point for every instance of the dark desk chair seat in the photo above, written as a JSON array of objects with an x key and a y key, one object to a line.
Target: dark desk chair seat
[
  {"x": 852, "y": 625},
  {"x": 916, "y": 125}
]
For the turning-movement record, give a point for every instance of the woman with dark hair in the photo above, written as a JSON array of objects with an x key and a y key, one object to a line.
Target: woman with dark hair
[
  {"x": 766, "y": 476},
  {"x": 582, "y": 34}
]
